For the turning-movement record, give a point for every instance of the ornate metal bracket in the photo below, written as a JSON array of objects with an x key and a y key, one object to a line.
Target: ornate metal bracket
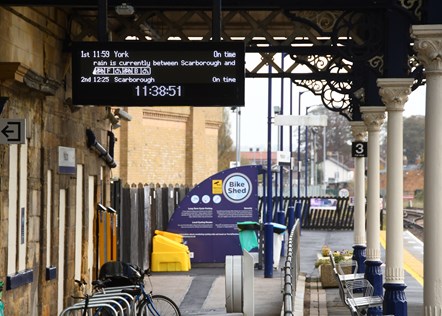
[{"x": 324, "y": 46}]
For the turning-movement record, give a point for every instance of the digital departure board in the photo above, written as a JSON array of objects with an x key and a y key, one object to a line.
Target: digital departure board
[{"x": 158, "y": 73}]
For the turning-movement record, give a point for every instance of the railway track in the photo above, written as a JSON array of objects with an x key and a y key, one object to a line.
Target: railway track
[{"x": 414, "y": 222}]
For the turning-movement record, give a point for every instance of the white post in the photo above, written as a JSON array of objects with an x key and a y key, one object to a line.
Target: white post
[
  {"x": 428, "y": 45},
  {"x": 373, "y": 118},
  {"x": 394, "y": 94},
  {"x": 248, "y": 276},
  {"x": 359, "y": 131}
]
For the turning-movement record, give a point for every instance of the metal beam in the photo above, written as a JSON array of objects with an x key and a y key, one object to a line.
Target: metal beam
[
  {"x": 216, "y": 20},
  {"x": 102, "y": 21},
  {"x": 227, "y": 4},
  {"x": 303, "y": 76}
]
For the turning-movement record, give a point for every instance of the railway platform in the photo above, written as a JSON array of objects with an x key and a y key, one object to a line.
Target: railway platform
[{"x": 201, "y": 291}]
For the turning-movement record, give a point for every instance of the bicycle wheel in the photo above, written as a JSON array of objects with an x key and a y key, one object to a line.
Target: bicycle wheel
[{"x": 161, "y": 304}]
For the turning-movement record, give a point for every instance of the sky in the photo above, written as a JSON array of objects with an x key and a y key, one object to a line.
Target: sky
[{"x": 253, "y": 117}]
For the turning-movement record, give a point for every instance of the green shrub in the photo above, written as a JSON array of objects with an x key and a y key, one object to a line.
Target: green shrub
[{"x": 338, "y": 255}]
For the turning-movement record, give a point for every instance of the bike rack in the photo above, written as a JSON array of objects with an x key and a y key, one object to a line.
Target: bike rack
[
  {"x": 118, "y": 301},
  {"x": 73, "y": 308}
]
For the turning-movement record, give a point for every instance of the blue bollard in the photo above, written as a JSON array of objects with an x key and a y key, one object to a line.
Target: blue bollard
[
  {"x": 291, "y": 217},
  {"x": 298, "y": 210},
  {"x": 281, "y": 220},
  {"x": 268, "y": 250}
]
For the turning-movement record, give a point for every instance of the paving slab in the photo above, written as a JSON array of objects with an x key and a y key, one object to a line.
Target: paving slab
[{"x": 201, "y": 291}]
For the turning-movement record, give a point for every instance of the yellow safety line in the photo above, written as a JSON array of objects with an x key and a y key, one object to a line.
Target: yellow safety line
[{"x": 411, "y": 264}]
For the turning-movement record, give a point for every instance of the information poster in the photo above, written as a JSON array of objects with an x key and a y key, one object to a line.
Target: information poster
[{"x": 208, "y": 216}]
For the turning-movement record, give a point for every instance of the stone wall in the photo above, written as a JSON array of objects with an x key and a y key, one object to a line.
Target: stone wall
[
  {"x": 164, "y": 145},
  {"x": 34, "y": 75}
]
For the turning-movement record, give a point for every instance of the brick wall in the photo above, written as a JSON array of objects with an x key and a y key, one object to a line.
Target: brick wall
[
  {"x": 168, "y": 145},
  {"x": 413, "y": 180}
]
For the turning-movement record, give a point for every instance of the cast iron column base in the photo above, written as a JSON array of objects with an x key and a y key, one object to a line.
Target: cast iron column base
[
  {"x": 373, "y": 273},
  {"x": 359, "y": 257},
  {"x": 395, "y": 301}
]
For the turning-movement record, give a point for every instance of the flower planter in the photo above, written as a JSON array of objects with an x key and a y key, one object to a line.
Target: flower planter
[{"x": 327, "y": 277}]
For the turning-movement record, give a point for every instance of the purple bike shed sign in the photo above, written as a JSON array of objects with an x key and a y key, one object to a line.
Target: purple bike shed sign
[{"x": 207, "y": 217}]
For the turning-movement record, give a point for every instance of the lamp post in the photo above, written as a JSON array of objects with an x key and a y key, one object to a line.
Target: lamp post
[
  {"x": 237, "y": 111},
  {"x": 306, "y": 154},
  {"x": 298, "y": 205},
  {"x": 268, "y": 226},
  {"x": 306, "y": 162},
  {"x": 313, "y": 161},
  {"x": 238, "y": 135},
  {"x": 324, "y": 158},
  {"x": 291, "y": 208},
  {"x": 281, "y": 213}
]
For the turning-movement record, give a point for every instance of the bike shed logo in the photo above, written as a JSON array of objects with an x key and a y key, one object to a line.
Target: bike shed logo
[{"x": 237, "y": 188}]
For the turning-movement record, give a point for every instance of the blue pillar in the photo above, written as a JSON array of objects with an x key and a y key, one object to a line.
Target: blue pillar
[
  {"x": 291, "y": 208},
  {"x": 359, "y": 257},
  {"x": 281, "y": 214},
  {"x": 373, "y": 273},
  {"x": 299, "y": 147},
  {"x": 268, "y": 227},
  {"x": 306, "y": 161},
  {"x": 395, "y": 301},
  {"x": 298, "y": 201}
]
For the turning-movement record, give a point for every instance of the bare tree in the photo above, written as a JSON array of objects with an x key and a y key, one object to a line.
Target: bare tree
[
  {"x": 338, "y": 136},
  {"x": 414, "y": 131}
]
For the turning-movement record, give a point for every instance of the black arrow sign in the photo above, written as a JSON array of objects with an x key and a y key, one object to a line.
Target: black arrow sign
[{"x": 16, "y": 130}]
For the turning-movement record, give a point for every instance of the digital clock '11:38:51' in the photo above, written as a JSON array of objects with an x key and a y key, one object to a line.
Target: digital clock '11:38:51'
[{"x": 158, "y": 91}]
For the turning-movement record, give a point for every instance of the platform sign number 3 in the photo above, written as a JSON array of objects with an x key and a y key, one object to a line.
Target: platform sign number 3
[{"x": 359, "y": 149}]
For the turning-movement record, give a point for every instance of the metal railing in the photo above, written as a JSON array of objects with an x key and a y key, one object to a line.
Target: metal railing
[{"x": 291, "y": 268}]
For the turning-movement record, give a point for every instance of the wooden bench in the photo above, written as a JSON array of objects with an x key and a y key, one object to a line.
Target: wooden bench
[{"x": 355, "y": 291}]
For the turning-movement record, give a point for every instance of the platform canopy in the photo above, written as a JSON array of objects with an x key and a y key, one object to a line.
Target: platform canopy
[{"x": 337, "y": 49}]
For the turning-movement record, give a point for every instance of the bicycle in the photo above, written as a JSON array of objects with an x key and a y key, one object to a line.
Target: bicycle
[
  {"x": 118, "y": 276},
  {"x": 120, "y": 290}
]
